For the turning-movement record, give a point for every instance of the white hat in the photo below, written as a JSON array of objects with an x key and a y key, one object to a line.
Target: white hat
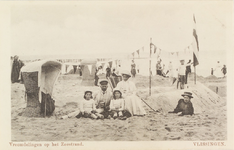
[{"x": 126, "y": 73}]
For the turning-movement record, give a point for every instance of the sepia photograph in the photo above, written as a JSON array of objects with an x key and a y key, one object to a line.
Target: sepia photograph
[{"x": 119, "y": 71}]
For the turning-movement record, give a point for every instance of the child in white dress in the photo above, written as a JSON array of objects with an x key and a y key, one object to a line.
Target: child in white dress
[
  {"x": 88, "y": 107},
  {"x": 117, "y": 104}
]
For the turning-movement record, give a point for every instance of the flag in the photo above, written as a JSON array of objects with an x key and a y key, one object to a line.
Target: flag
[
  {"x": 155, "y": 48},
  {"x": 195, "y": 44},
  {"x": 138, "y": 52},
  {"x": 152, "y": 47}
]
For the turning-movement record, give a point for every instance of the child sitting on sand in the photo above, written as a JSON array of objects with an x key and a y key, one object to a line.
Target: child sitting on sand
[
  {"x": 117, "y": 106},
  {"x": 88, "y": 107}
]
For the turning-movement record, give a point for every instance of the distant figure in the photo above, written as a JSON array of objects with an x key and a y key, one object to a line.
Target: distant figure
[
  {"x": 212, "y": 71},
  {"x": 224, "y": 70},
  {"x": 79, "y": 70},
  {"x": 188, "y": 70},
  {"x": 108, "y": 72},
  {"x": 74, "y": 68},
  {"x": 138, "y": 68},
  {"x": 158, "y": 68},
  {"x": 184, "y": 105},
  {"x": 164, "y": 71},
  {"x": 170, "y": 69},
  {"x": 15, "y": 70},
  {"x": 218, "y": 70},
  {"x": 114, "y": 73},
  {"x": 181, "y": 73},
  {"x": 133, "y": 69}
]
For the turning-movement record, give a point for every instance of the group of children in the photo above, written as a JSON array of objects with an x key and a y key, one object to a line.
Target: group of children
[{"x": 116, "y": 108}]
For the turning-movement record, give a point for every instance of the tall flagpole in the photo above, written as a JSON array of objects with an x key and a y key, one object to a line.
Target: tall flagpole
[
  {"x": 150, "y": 68},
  {"x": 194, "y": 74}
]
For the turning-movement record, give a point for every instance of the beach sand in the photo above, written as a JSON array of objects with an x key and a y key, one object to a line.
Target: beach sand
[{"x": 208, "y": 123}]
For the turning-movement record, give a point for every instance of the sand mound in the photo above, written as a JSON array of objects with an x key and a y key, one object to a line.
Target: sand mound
[
  {"x": 211, "y": 77},
  {"x": 203, "y": 100},
  {"x": 143, "y": 81}
]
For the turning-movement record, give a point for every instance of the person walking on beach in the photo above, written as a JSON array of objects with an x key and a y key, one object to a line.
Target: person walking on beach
[
  {"x": 224, "y": 70},
  {"x": 212, "y": 71},
  {"x": 218, "y": 70},
  {"x": 188, "y": 70},
  {"x": 181, "y": 73}
]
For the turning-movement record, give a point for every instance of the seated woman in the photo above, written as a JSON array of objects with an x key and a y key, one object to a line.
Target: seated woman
[
  {"x": 128, "y": 90},
  {"x": 184, "y": 105},
  {"x": 117, "y": 106},
  {"x": 88, "y": 107}
]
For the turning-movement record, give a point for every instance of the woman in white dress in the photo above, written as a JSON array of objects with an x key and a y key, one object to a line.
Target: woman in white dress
[
  {"x": 218, "y": 70},
  {"x": 132, "y": 102}
]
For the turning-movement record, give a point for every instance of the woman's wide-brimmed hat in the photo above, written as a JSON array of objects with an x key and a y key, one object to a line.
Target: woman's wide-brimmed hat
[
  {"x": 189, "y": 94},
  {"x": 125, "y": 72},
  {"x": 116, "y": 90}
]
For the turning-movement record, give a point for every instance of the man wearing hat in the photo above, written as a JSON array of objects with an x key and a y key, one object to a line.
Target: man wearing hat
[
  {"x": 184, "y": 105},
  {"x": 181, "y": 73},
  {"x": 102, "y": 98}
]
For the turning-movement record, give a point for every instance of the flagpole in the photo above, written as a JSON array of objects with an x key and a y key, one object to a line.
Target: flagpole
[
  {"x": 194, "y": 74},
  {"x": 150, "y": 68}
]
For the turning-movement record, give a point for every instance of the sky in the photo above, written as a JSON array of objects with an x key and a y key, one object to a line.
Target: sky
[{"x": 111, "y": 27}]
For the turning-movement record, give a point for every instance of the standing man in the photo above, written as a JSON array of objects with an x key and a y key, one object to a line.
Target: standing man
[
  {"x": 102, "y": 98},
  {"x": 188, "y": 70},
  {"x": 158, "y": 68},
  {"x": 224, "y": 70},
  {"x": 181, "y": 73}
]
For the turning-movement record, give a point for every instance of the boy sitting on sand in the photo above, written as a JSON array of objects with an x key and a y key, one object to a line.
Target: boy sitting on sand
[
  {"x": 117, "y": 106},
  {"x": 88, "y": 107},
  {"x": 184, "y": 105}
]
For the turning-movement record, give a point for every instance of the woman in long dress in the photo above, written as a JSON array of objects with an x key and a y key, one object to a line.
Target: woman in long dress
[
  {"x": 132, "y": 102},
  {"x": 218, "y": 70}
]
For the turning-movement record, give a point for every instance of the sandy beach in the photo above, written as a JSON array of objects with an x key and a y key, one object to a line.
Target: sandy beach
[{"x": 208, "y": 123}]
